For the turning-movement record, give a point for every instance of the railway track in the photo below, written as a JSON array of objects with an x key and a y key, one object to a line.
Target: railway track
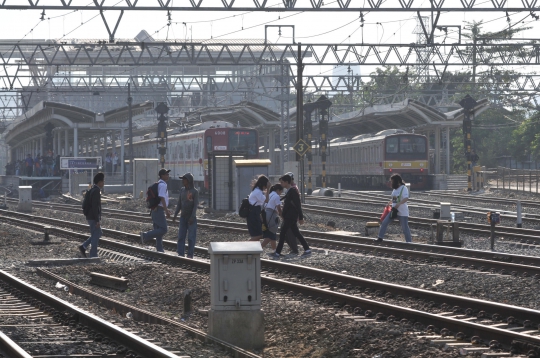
[
  {"x": 353, "y": 297},
  {"x": 46, "y": 326},
  {"x": 468, "y": 259}
]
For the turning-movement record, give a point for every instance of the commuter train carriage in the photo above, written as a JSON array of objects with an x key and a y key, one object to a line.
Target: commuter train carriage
[
  {"x": 367, "y": 161},
  {"x": 188, "y": 152}
]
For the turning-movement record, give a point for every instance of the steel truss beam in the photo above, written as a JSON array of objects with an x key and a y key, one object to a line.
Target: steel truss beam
[
  {"x": 138, "y": 54},
  {"x": 285, "y": 5}
]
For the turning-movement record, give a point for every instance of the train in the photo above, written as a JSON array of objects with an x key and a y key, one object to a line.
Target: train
[
  {"x": 367, "y": 161},
  {"x": 188, "y": 151}
]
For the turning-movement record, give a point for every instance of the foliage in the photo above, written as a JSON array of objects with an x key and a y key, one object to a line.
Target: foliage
[{"x": 525, "y": 140}]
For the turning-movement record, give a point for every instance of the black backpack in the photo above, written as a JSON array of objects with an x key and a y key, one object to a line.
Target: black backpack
[
  {"x": 243, "y": 212},
  {"x": 152, "y": 198},
  {"x": 87, "y": 202}
]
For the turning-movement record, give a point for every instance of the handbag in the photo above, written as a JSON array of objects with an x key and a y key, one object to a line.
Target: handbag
[{"x": 387, "y": 210}]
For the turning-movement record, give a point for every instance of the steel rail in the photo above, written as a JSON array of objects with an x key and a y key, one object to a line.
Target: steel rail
[
  {"x": 466, "y": 258},
  {"x": 143, "y": 315},
  {"x": 342, "y": 299},
  {"x": 426, "y": 204},
  {"x": 11, "y": 348},
  {"x": 128, "y": 339}
]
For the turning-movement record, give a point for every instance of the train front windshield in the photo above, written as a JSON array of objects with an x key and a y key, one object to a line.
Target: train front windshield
[
  {"x": 406, "y": 148},
  {"x": 244, "y": 141}
]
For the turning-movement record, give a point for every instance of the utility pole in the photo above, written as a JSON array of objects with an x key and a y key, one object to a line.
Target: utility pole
[
  {"x": 300, "y": 120},
  {"x": 468, "y": 104},
  {"x": 130, "y": 115}
]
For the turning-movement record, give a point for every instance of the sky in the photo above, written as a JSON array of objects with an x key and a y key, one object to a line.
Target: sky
[{"x": 310, "y": 27}]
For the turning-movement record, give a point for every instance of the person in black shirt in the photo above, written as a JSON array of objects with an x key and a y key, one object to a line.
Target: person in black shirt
[
  {"x": 292, "y": 215},
  {"x": 93, "y": 216}
]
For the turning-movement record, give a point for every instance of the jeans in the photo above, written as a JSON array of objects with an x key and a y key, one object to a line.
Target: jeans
[
  {"x": 403, "y": 220},
  {"x": 95, "y": 235},
  {"x": 293, "y": 225},
  {"x": 160, "y": 228},
  {"x": 191, "y": 232}
]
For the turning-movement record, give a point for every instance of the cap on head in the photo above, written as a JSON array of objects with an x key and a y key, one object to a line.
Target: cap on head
[
  {"x": 163, "y": 172},
  {"x": 290, "y": 174}
]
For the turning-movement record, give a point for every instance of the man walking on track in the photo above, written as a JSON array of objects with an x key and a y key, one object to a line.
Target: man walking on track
[
  {"x": 292, "y": 215},
  {"x": 159, "y": 213},
  {"x": 92, "y": 211},
  {"x": 187, "y": 205}
]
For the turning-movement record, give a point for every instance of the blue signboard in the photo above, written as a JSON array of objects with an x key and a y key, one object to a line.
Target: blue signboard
[{"x": 80, "y": 163}]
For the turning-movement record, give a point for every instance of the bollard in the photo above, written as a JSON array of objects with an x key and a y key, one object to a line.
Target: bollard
[
  {"x": 187, "y": 302},
  {"x": 519, "y": 220},
  {"x": 47, "y": 231},
  {"x": 141, "y": 195},
  {"x": 339, "y": 190}
]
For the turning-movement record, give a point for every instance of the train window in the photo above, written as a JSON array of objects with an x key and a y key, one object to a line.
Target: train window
[
  {"x": 392, "y": 145},
  {"x": 412, "y": 145},
  {"x": 188, "y": 156}
]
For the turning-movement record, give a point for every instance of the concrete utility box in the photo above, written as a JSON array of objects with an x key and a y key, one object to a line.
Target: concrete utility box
[
  {"x": 246, "y": 170},
  {"x": 445, "y": 211},
  {"x": 145, "y": 173},
  {"x": 78, "y": 179},
  {"x": 235, "y": 315},
  {"x": 25, "y": 199}
]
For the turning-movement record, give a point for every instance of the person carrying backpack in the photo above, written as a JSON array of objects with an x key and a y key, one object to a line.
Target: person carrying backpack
[
  {"x": 160, "y": 213},
  {"x": 257, "y": 198},
  {"x": 400, "y": 209},
  {"x": 92, "y": 211},
  {"x": 187, "y": 204}
]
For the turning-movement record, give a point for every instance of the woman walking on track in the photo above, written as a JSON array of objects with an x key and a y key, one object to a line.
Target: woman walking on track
[
  {"x": 272, "y": 213},
  {"x": 400, "y": 196},
  {"x": 257, "y": 198}
]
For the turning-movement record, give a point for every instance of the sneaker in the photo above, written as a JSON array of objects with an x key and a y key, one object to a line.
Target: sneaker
[
  {"x": 378, "y": 240},
  {"x": 274, "y": 255},
  {"x": 306, "y": 253},
  {"x": 82, "y": 251},
  {"x": 190, "y": 257},
  {"x": 142, "y": 238}
]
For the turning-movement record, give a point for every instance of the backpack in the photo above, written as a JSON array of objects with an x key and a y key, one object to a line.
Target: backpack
[
  {"x": 87, "y": 202},
  {"x": 243, "y": 212},
  {"x": 152, "y": 198}
]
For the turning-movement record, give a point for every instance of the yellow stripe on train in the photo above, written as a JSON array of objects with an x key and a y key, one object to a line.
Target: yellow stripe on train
[{"x": 406, "y": 165}]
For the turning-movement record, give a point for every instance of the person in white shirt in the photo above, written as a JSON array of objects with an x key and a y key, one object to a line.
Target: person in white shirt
[
  {"x": 272, "y": 213},
  {"x": 257, "y": 198},
  {"x": 159, "y": 213},
  {"x": 400, "y": 196}
]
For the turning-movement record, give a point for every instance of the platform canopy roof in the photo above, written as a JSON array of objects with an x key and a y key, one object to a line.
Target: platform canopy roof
[
  {"x": 32, "y": 124},
  {"x": 409, "y": 114},
  {"x": 246, "y": 114}
]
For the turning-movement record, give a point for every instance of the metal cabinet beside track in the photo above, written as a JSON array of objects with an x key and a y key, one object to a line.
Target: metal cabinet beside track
[{"x": 235, "y": 273}]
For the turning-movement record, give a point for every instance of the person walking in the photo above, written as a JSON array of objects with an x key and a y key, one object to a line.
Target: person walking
[
  {"x": 272, "y": 212},
  {"x": 292, "y": 216},
  {"x": 188, "y": 202},
  {"x": 92, "y": 211},
  {"x": 159, "y": 213},
  {"x": 257, "y": 198},
  {"x": 400, "y": 209}
]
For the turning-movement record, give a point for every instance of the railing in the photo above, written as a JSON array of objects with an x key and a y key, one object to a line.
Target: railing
[{"x": 524, "y": 180}]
